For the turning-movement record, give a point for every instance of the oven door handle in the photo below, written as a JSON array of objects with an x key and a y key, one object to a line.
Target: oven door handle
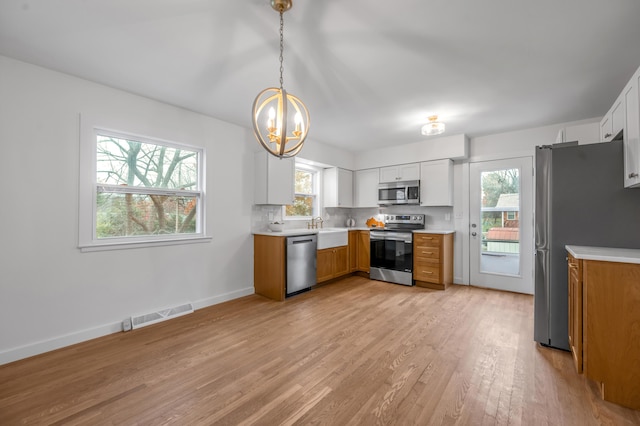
[{"x": 405, "y": 240}]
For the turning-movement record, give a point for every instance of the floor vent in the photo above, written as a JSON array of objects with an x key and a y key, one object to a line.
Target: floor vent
[{"x": 165, "y": 314}]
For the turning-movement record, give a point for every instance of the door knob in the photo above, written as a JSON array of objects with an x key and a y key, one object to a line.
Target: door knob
[{"x": 473, "y": 234}]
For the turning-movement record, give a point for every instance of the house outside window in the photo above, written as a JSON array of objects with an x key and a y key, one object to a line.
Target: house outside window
[
  {"x": 306, "y": 203},
  {"x": 141, "y": 191}
]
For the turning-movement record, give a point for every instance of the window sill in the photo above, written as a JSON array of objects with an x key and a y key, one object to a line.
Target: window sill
[
  {"x": 120, "y": 245},
  {"x": 297, "y": 219}
]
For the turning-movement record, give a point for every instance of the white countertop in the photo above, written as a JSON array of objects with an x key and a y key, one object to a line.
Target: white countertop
[
  {"x": 287, "y": 232},
  {"x": 435, "y": 231},
  {"x": 304, "y": 231},
  {"x": 605, "y": 254}
]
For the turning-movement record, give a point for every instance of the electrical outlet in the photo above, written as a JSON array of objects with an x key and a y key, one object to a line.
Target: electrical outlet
[{"x": 126, "y": 325}]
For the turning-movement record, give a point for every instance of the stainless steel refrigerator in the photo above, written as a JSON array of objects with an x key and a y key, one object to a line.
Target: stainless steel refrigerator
[{"x": 580, "y": 200}]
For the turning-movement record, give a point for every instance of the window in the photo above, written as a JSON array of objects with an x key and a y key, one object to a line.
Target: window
[
  {"x": 511, "y": 215},
  {"x": 306, "y": 185},
  {"x": 142, "y": 191}
]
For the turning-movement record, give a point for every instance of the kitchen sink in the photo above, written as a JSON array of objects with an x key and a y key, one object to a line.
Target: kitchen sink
[{"x": 332, "y": 237}]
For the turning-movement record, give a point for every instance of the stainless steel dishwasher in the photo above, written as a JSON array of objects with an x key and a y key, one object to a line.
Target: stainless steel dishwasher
[{"x": 301, "y": 263}]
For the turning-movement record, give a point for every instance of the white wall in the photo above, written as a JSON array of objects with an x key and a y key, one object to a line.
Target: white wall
[
  {"x": 51, "y": 294},
  {"x": 320, "y": 153},
  {"x": 454, "y": 146}
]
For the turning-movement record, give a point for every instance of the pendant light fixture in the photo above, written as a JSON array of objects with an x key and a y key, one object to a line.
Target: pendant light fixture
[
  {"x": 433, "y": 127},
  {"x": 275, "y": 111}
]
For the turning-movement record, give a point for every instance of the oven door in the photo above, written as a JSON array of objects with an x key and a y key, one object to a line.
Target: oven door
[{"x": 392, "y": 250}]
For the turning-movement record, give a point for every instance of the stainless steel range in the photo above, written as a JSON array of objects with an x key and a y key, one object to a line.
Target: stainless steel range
[{"x": 392, "y": 248}]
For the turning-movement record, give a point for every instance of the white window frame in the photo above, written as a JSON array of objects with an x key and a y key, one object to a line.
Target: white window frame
[
  {"x": 316, "y": 192},
  {"x": 89, "y": 187}
]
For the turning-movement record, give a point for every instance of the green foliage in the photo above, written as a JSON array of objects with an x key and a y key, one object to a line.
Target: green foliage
[
  {"x": 303, "y": 182},
  {"x": 302, "y": 206},
  {"x": 499, "y": 182},
  {"x": 303, "y": 202}
]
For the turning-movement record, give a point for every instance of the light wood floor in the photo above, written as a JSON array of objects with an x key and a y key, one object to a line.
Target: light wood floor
[{"x": 351, "y": 352}]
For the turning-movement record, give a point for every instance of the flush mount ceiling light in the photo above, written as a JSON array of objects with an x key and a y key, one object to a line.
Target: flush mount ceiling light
[
  {"x": 433, "y": 127},
  {"x": 274, "y": 110}
]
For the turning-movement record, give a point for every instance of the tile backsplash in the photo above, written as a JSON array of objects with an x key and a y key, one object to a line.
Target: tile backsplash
[{"x": 435, "y": 217}]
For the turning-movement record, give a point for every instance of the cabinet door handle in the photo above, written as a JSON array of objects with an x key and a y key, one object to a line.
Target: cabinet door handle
[
  {"x": 573, "y": 265},
  {"x": 633, "y": 175},
  {"x": 607, "y": 135}
]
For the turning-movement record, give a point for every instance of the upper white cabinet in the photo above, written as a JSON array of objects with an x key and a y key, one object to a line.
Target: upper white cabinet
[
  {"x": 631, "y": 102},
  {"x": 274, "y": 179},
  {"x": 613, "y": 121},
  {"x": 399, "y": 173},
  {"x": 366, "y": 188},
  {"x": 436, "y": 183},
  {"x": 582, "y": 133},
  {"x": 338, "y": 187}
]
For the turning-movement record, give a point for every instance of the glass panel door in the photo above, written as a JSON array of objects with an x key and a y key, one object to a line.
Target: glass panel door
[{"x": 501, "y": 221}]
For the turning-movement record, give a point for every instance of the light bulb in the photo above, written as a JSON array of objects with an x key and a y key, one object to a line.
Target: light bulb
[
  {"x": 298, "y": 120},
  {"x": 272, "y": 116}
]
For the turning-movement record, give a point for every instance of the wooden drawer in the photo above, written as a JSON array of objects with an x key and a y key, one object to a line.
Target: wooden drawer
[
  {"x": 430, "y": 273},
  {"x": 427, "y": 252},
  {"x": 427, "y": 240}
]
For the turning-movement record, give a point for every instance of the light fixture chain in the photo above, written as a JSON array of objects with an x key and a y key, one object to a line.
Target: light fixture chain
[{"x": 281, "y": 48}]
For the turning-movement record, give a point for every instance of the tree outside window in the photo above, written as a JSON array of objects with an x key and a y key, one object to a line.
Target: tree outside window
[
  {"x": 305, "y": 203},
  {"x": 144, "y": 188}
]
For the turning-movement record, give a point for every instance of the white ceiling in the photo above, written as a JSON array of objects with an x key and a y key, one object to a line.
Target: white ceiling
[{"x": 370, "y": 71}]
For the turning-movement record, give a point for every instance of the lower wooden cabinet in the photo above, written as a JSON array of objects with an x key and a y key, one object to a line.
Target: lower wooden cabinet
[
  {"x": 269, "y": 266},
  {"x": 433, "y": 260},
  {"x": 332, "y": 263},
  {"x": 364, "y": 252},
  {"x": 575, "y": 310},
  {"x": 359, "y": 251},
  {"x": 604, "y": 326},
  {"x": 353, "y": 251}
]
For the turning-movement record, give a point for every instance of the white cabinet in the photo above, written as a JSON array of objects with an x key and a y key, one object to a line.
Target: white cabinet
[
  {"x": 631, "y": 101},
  {"x": 274, "y": 179},
  {"x": 582, "y": 133},
  {"x": 613, "y": 121},
  {"x": 338, "y": 187},
  {"x": 436, "y": 183},
  {"x": 366, "y": 188},
  {"x": 399, "y": 173}
]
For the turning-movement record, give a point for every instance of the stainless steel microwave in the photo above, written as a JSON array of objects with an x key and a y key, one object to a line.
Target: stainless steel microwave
[{"x": 407, "y": 192}]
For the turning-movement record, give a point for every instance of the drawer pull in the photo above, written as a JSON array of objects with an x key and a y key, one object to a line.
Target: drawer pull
[
  {"x": 427, "y": 272},
  {"x": 427, "y": 252}
]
